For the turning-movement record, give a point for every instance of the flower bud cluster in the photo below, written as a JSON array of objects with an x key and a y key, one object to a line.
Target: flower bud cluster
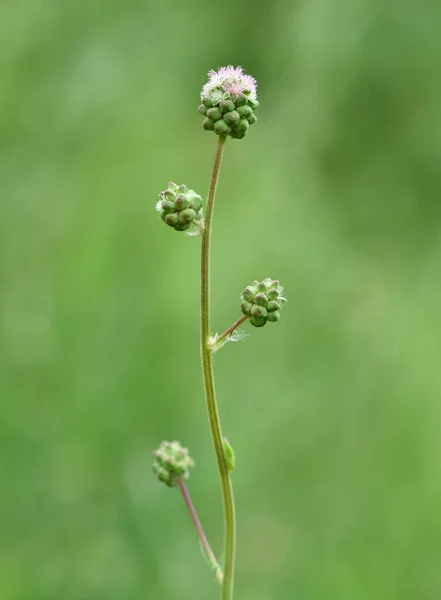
[
  {"x": 261, "y": 302},
  {"x": 229, "y": 100},
  {"x": 172, "y": 463},
  {"x": 179, "y": 207}
]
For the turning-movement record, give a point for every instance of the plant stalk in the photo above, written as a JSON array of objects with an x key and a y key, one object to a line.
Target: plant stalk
[
  {"x": 228, "y": 332},
  {"x": 208, "y": 376},
  {"x": 201, "y": 533}
]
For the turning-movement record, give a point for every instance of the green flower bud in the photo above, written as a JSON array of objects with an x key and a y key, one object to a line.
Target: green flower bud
[
  {"x": 207, "y": 102},
  {"x": 262, "y": 301},
  {"x": 253, "y": 103},
  {"x": 221, "y": 128},
  {"x": 242, "y": 125},
  {"x": 183, "y": 189},
  {"x": 272, "y": 306},
  {"x": 172, "y": 463},
  {"x": 246, "y": 307},
  {"x": 170, "y": 195},
  {"x": 187, "y": 216},
  {"x": 214, "y": 113},
  {"x": 208, "y": 124},
  {"x": 249, "y": 293},
  {"x": 182, "y": 201},
  {"x": 241, "y": 101},
  {"x": 172, "y": 219},
  {"x": 202, "y": 109},
  {"x": 273, "y": 316},
  {"x": 182, "y": 226},
  {"x": 168, "y": 206},
  {"x": 252, "y": 119},
  {"x": 226, "y": 105},
  {"x": 257, "y": 321},
  {"x": 237, "y": 135},
  {"x": 259, "y": 311},
  {"x": 244, "y": 111},
  {"x": 232, "y": 117},
  {"x": 196, "y": 202}
]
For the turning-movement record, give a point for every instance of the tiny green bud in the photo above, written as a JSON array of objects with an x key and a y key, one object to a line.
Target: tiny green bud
[
  {"x": 226, "y": 106},
  {"x": 257, "y": 321},
  {"x": 244, "y": 111},
  {"x": 249, "y": 293},
  {"x": 241, "y": 101},
  {"x": 242, "y": 125},
  {"x": 246, "y": 307},
  {"x": 261, "y": 299},
  {"x": 259, "y": 311},
  {"x": 253, "y": 103},
  {"x": 207, "y": 101},
  {"x": 202, "y": 109},
  {"x": 273, "y": 316},
  {"x": 252, "y": 119},
  {"x": 214, "y": 113},
  {"x": 238, "y": 135},
  {"x": 172, "y": 219},
  {"x": 272, "y": 305},
  {"x": 208, "y": 124},
  {"x": 187, "y": 215},
  {"x": 182, "y": 201},
  {"x": 230, "y": 459},
  {"x": 183, "y": 189},
  {"x": 169, "y": 194},
  {"x": 261, "y": 287},
  {"x": 168, "y": 206},
  {"x": 172, "y": 186},
  {"x": 221, "y": 128},
  {"x": 196, "y": 202},
  {"x": 182, "y": 226},
  {"x": 232, "y": 118},
  {"x": 272, "y": 293}
]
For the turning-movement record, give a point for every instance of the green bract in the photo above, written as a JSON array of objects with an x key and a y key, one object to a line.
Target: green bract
[
  {"x": 179, "y": 207},
  {"x": 261, "y": 302},
  {"x": 172, "y": 463}
]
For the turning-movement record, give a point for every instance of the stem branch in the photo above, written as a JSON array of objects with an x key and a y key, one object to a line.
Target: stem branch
[
  {"x": 208, "y": 376},
  {"x": 200, "y": 531},
  {"x": 231, "y": 328}
]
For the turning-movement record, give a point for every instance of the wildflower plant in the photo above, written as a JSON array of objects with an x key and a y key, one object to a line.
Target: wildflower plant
[{"x": 228, "y": 102}]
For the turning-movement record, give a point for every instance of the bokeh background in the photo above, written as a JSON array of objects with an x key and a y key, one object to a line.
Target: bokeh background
[{"x": 334, "y": 413}]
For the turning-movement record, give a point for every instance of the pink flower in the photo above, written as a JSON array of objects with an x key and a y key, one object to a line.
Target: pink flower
[{"x": 229, "y": 82}]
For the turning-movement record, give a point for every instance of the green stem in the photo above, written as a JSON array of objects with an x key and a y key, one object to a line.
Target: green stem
[
  {"x": 210, "y": 393},
  {"x": 228, "y": 332}
]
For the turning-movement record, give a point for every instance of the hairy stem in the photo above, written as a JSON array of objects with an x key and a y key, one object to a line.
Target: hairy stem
[
  {"x": 210, "y": 394},
  {"x": 200, "y": 531},
  {"x": 231, "y": 328}
]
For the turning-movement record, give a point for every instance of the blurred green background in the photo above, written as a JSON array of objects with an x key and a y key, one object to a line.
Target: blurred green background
[{"x": 334, "y": 413}]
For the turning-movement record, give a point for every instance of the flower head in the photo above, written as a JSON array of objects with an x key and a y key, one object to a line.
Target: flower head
[
  {"x": 172, "y": 463},
  {"x": 180, "y": 208},
  {"x": 261, "y": 302},
  {"x": 228, "y": 101},
  {"x": 229, "y": 82}
]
